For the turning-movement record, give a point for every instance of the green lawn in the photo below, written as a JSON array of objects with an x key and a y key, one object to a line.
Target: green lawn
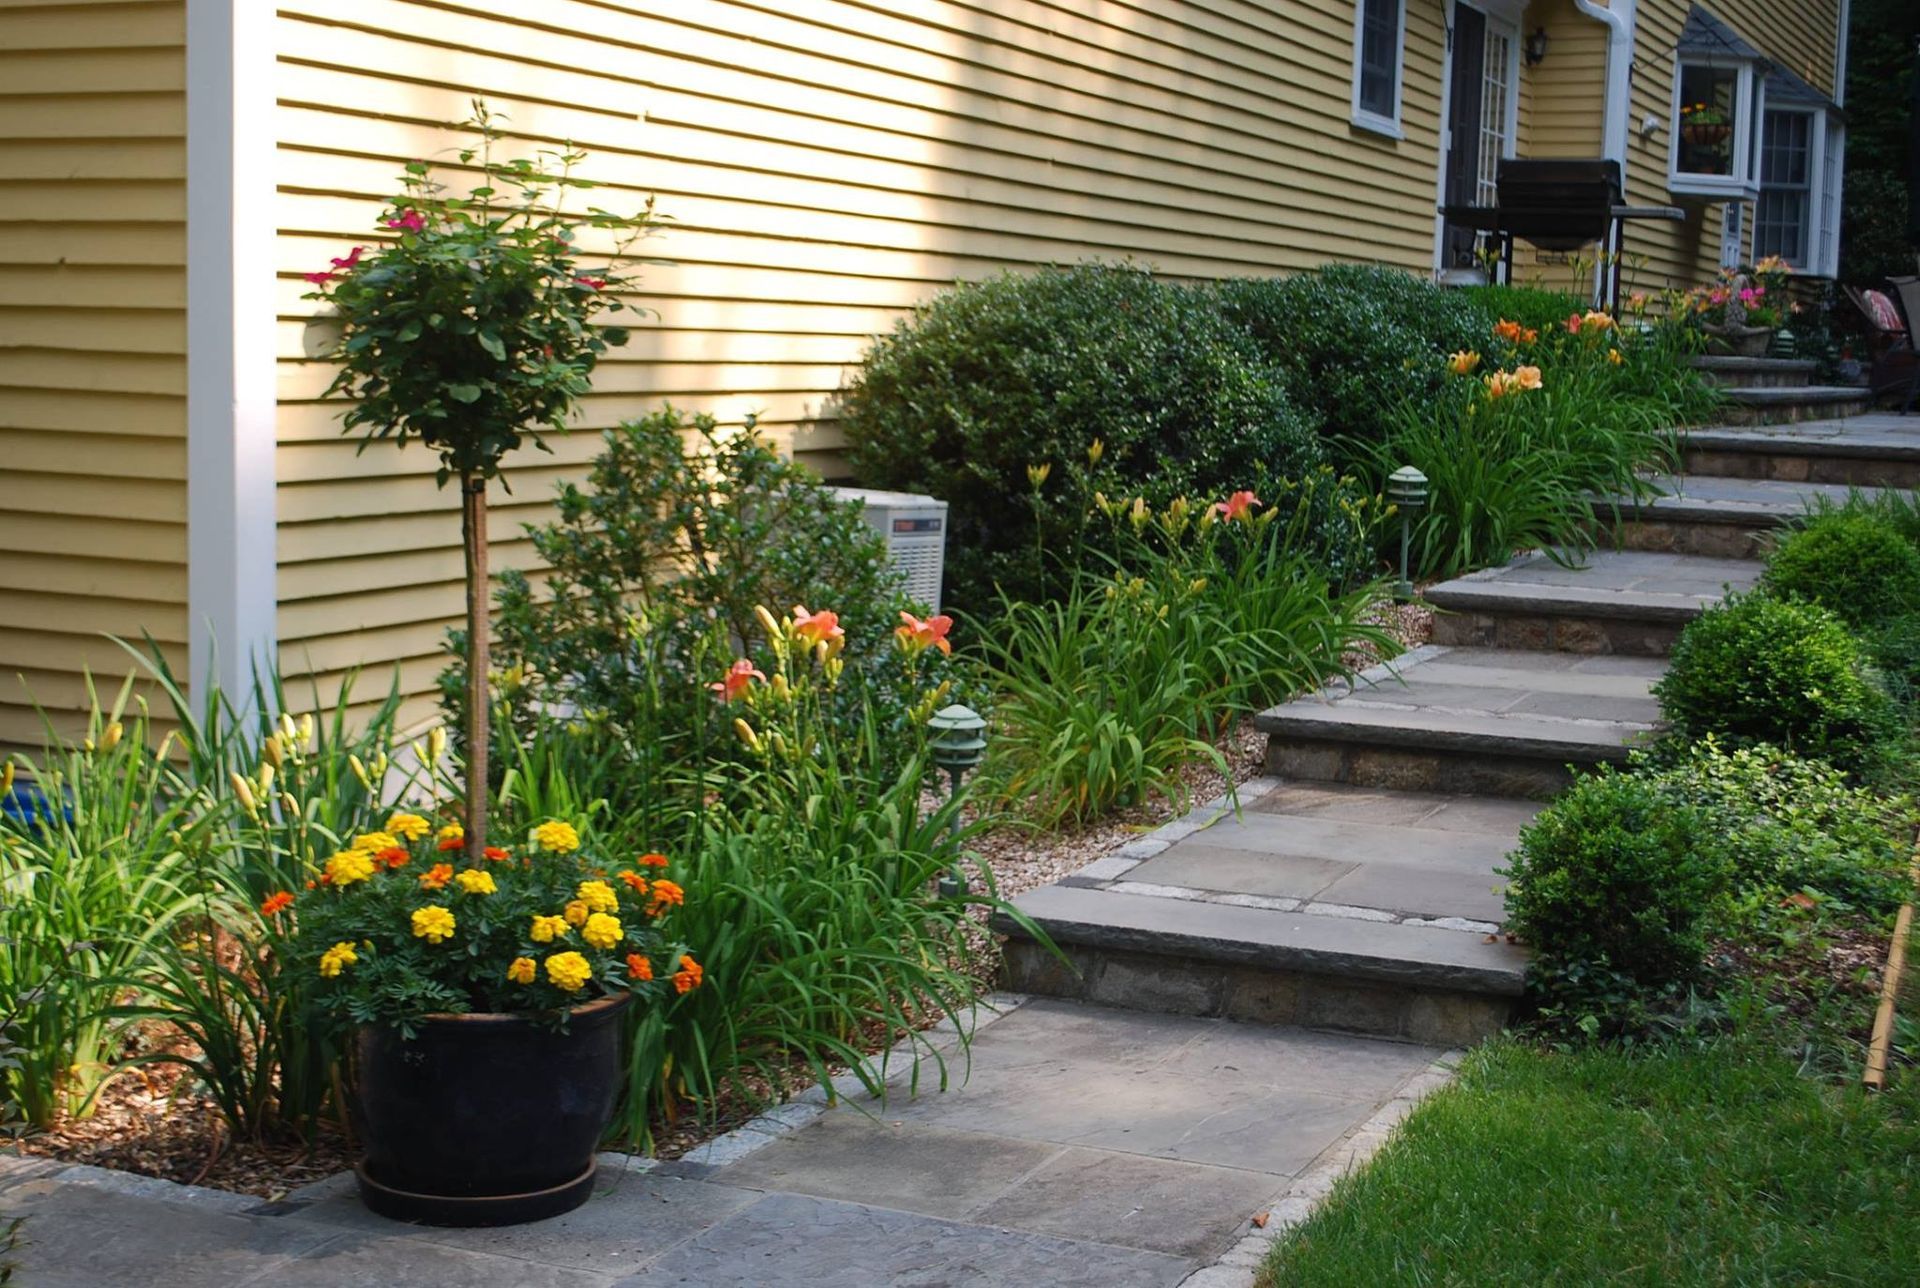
[{"x": 1714, "y": 1166}]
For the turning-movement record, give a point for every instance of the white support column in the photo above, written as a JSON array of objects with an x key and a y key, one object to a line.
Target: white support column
[{"x": 230, "y": 342}]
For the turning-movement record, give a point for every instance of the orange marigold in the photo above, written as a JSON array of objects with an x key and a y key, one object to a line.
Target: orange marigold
[
  {"x": 666, "y": 894},
  {"x": 436, "y": 877},
  {"x": 277, "y": 903},
  {"x": 638, "y": 967},
  {"x": 635, "y": 882},
  {"x": 451, "y": 843},
  {"x": 652, "y": 860},
  {"x": 395, "y": 857},
  {"x": 689, "y": 976},
  {"x": 495, "y": 853}
]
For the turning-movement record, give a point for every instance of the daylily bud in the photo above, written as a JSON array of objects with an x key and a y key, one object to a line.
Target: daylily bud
[
  {"x": 781, "y": 689},
  {"x": 1037, "y": 474},
  {"x": 436, "y": 744},
  {"x": 359, "y": 771},
  {"x": 1095, "y": 450},
  {"x": 111, "y": 737},
  {"x": 6, "y": 779},
  {"x": 166, "y": 744},
  {"x": 419, "y": 752},
  {"x": 778, "y": 743},
  {"x": 266, "y": 777},
  {"x": 380, "y": 763},
  {"x": 767, "y": 622},
  {"x": 274, "y": 748},
  {"x": 289, "y": 804},
  {"x": 287, "y": 729},
  {"x": 747, "y": 735},
  {"x": 303, "y": 733},
  {"x": 243, "y": 790}
]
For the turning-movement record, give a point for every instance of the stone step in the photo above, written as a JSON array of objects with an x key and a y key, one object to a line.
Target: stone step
[
  {"x": 1444, "y": 718},
  {"x": 1422, "y": 983},
  {"x": 1783, "y": 405},
  {"x": 1724, "y": 518},
  {"x": 1611, "y": 601},
  {"x": 1871, "y": 450},
  {"x": 1753, "y": 373}
]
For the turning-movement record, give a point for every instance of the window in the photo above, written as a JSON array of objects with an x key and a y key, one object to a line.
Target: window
[
  {"x": 1783, "y": 215},
  {"x": 1797, "y": 215},
  {"x": 1714, "y": 104},
  {"x": 1379, "y": 43}
]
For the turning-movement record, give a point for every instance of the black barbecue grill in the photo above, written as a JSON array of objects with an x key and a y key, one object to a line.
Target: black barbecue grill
[{"x": 1560, "y": 204}]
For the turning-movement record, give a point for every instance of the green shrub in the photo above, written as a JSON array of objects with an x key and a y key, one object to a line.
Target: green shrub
[
  {"x": 1757, "y": 669},
  {"x": 1850, "y": 562},
  {"x": 1617, "y": 878},
  {"x": 1538, "y": 307},
  {"x": 993, "y": 396},
  {"x": 1354, "y": 341},
  {"x": 1793, "y": 825}
]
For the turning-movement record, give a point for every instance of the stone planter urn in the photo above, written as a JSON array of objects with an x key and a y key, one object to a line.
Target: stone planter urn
[{"x": 1741, "y": 341}]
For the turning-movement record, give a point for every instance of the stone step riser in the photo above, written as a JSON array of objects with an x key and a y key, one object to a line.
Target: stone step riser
[
  {"x": 1792, "y": 467},
  {"x": 1755, "y": 373},
  {"x": 1681, "y": 536},
  {"x": 1560, "y": 631},
  {"x": 1461, "y": 771},
  {"x": 1790, "y": 412},
  {"x": 1178, "y": 983}
]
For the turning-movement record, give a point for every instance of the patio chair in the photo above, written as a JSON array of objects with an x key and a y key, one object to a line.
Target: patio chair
[{"x": 1896, "y": 365}]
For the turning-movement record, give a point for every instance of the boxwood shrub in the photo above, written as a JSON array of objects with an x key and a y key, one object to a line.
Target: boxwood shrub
[
  {"x": 1760, "y": 669},
  {"x": 1850, "y": 561},
  {"x": 993, "y": 396}
]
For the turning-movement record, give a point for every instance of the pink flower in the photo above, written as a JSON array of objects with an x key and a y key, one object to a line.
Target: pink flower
[
  {"x": 591, "y": 283},
  {"x": 352, "y": 258},
  {"x": 410, "y": 220},
  {"x": 1750, "y": 296},
  {"x": 818, "y": 628},
  {"x": 1573, "y": 324},
  {"x": 739, "y": 678},
  {"x": 318, "y": 279},
  {"x": 1238, "y": 506},
  {"x": 915, "y": 635}
]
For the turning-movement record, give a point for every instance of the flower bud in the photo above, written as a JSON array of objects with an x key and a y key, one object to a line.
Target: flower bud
[
  {"x": 274, "y": 748},
  {"x": 747, "y": 735},
  {"x": 110, "y": 737},
  {"x": 359, "y": 771},
  {"x": 767, "y": 623},
  {"x": 243, "y": 790},
  {"x": 436, "y": 744},
  {"x": 303, "y": 733}
]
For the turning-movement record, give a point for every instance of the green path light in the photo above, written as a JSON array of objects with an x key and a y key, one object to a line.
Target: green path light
[
  {"x": 1407, "y": 490},
  {"x": 959, "y": 744}
]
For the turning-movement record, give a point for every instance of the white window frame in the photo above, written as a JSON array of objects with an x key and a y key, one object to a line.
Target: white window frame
[
  {"x": 1829, "y": 195},
  {"x": 1362, "y": 118},
  {"x": 1749, "y": 99},
  {"x": 1811, "y": 260}
]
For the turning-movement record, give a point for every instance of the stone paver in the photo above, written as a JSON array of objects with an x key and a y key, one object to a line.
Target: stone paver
[{"x": 1088, "y": 1147}]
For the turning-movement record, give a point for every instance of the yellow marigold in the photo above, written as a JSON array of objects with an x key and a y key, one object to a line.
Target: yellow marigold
[
  {"x": 576, "y": 912},
  {"x": 558, "y": 837},
  {"x": 451, "y": 832},
  {"x": 374, "y": 842},
  {"x": 1463, "y": 362},
  {"x": 569, "y": 971},
  {"x": 521, "y": 970},
  {"x": 598, "y": 896},
  {"x": 337, "y": 959},
  {"x": 433, "y": 924},
  {"x": 547, "y": 929},
  {"x": 349, "y": 866},
  {"x": 409, "y": 826},
  {"x": 601, "y": 931},
  {"x": 474, "y": 881}
]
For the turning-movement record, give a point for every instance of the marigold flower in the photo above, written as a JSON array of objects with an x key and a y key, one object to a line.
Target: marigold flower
[
  {"x": 1237, "y": 506},
  {"x": 547, "y": 929},
  {"x": 917, "y": 635},
  {"x": 409, "y": 826},
  {"x": 349, "y": 866},
  {"x": 689, "y": 976},
  {"x": 447, "y": 844},
  {"x": 276, "y": 903},
  {"x": 635, "y": 882},
  {"x": 374, "y": 842},
  {"x": 576, "y": 912},
  {"x": 598, "y": 896},
  {"x": 495, "y": 853},
  {"x": 436, "y": 877},
  {"x": 474, "y": 881},
  {"x": 638, "y": 967},
  {"x": 569, "y": 972},
  {"x": 602, "y": 931},
  {"x": 1463, "y": 362},
  {"x": 652, "y": 860},
  {"x": 666, "y": 894},
  {"x": 337, "y": 959},
  {"x": 394, "y": 858},
  {"x": 556, "y": 837},
  {"x": 433, "y": 924},
  {"x": 521, "y": 970},
  {"x": 738, "y": 679}
]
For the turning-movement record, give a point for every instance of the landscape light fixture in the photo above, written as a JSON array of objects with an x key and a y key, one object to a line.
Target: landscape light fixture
[
  {"x": 959, "y": 744},
  {"x": 1407, "y": 490}
]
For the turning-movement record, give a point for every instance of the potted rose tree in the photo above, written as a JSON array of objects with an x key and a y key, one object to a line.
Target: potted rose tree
[{"x": 486, "y": 974}]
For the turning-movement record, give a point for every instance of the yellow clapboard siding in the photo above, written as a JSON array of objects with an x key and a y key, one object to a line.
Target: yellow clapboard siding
[
  {"x": 137, "y": 373},
  {"x": 78, "y": 204},
  {"x": 144, "y": 332},
  {"x": 49, "y": 242},
  {"x": 151, "y": 286},
  {"x": 100, "y": 537},
  {"x": 101, "y": 455},
  {"x": 81, "y": 614},
  {"x": 159, "y": 114},
  {"x": 103, "y": 27},
  {"x": 160, "y": 69},
  {"x": 92, "y": 411},
  {"x": 118, "y": 577}
]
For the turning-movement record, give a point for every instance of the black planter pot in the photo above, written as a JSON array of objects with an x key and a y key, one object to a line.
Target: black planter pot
[{"x": 485, "y": 1119}]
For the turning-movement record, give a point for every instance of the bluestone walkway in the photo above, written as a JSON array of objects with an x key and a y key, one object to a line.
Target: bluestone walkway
[{"x": 1088, "y": 1147}]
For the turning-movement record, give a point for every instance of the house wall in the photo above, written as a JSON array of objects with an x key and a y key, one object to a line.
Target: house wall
[
  {"x": 826, "y": 164},
  {"x": 1799, "y": 33},
  {"x": 92, "y": 348}
]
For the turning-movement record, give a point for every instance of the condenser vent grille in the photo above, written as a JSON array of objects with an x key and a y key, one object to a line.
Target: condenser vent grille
[{"x": 915, "y": 531}]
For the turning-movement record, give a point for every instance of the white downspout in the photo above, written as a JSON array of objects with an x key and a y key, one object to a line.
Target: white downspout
[
  {"x": 1617, "y": 106},
  {"x": 1619, "y": 20}
]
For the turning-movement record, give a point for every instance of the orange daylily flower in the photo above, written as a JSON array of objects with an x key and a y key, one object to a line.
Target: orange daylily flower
[
  {"x": 738, "y": 679},
  {"x": 916, "y": 634},
  {"x": 1237, "y": 506},
  {"x": 818, "y": 628},
  {"x": 1463, "y": 362}
]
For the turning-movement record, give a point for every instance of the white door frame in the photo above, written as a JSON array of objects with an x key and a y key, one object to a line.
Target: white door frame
[{"x": 1500, "y": 14}]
